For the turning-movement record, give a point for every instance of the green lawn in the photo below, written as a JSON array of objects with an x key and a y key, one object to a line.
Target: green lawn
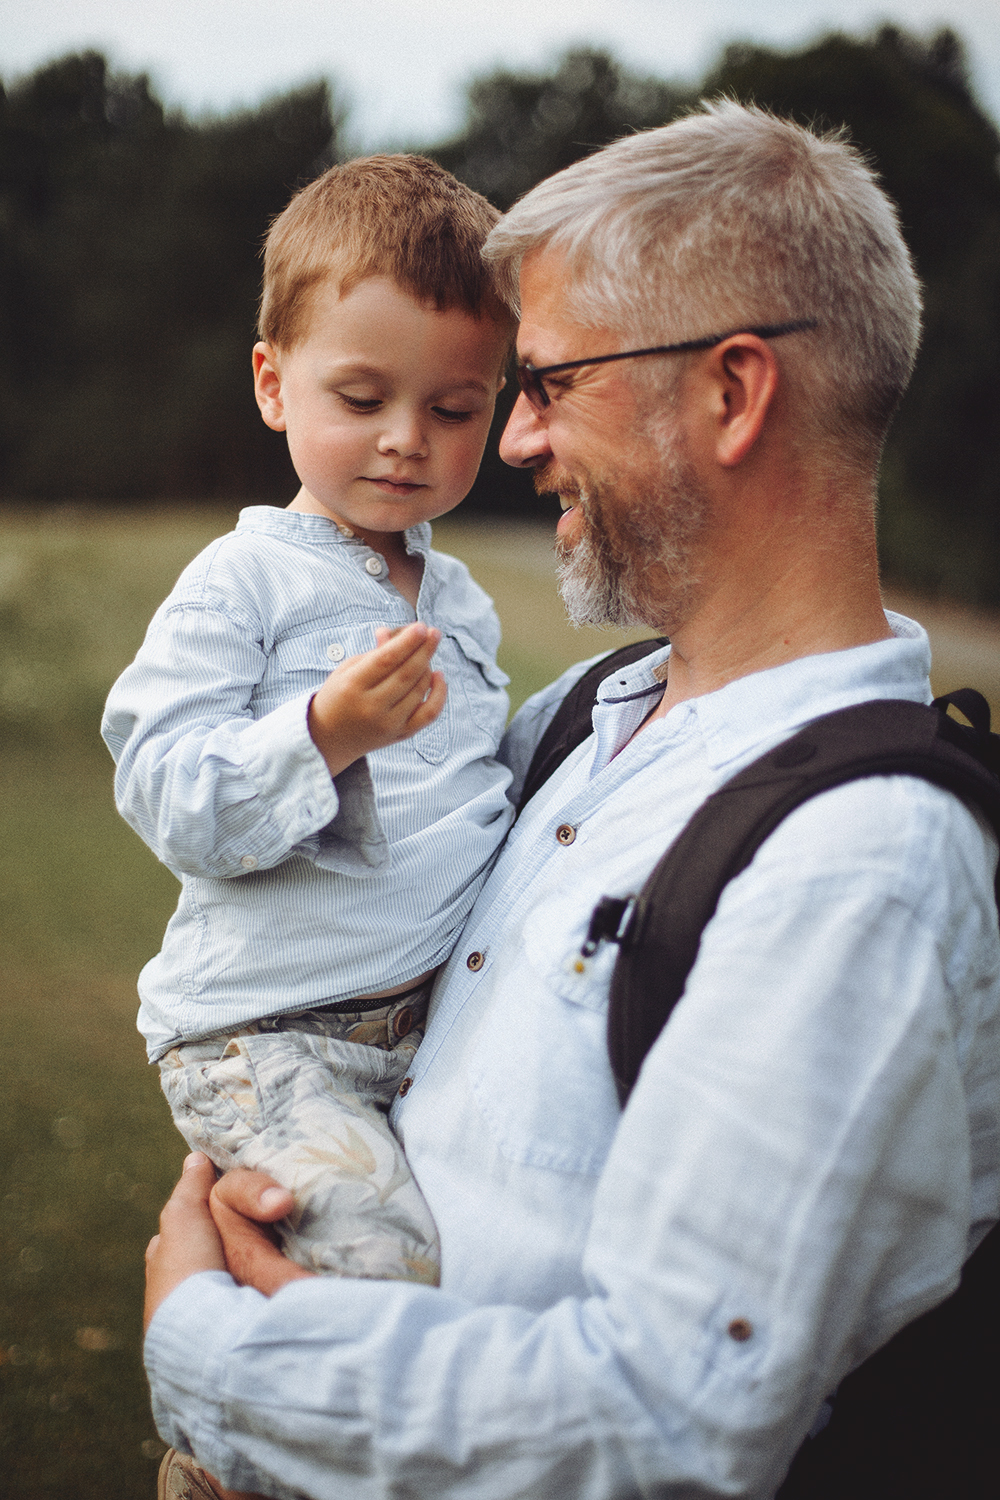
[{"x": 88, "y": 1150}]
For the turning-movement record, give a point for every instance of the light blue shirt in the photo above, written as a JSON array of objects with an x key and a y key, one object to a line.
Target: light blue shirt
[
  {"x": 299, "y": 890},
  {"x": 811, "y": 1149}
]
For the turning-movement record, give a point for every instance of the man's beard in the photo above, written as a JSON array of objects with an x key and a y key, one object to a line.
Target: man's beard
[{"x": 633, "y": 562}]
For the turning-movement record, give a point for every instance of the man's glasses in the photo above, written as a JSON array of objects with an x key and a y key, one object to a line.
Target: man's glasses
[{"x": 531, "y": 378}]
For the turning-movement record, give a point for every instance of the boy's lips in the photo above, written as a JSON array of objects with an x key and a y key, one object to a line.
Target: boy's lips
[{"x": 391, "y": 486}]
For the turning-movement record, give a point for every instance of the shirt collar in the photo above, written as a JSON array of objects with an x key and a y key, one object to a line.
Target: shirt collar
[
  {"x": 276, "y": 521},
  {"x": 774, "y": 703}
]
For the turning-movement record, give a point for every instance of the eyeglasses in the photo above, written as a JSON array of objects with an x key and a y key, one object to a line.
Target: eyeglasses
[{"x": 531, "y": 378}]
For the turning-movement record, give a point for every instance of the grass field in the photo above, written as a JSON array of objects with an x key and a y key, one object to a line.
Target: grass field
[
  {"x": 88, "y": 1151},
  {"x": 86, "y": 1143}
]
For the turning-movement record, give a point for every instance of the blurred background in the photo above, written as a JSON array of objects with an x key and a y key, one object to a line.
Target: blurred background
[{"x": 141, "y": 158}]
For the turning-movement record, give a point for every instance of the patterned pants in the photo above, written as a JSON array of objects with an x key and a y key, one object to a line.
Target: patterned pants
[{"x": 305, "y": 1098}]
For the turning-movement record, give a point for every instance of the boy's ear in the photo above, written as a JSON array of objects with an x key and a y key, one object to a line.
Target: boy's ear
[{"x": 267, "y": 386}]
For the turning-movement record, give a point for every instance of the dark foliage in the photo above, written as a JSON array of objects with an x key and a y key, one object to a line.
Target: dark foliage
[
  {"x": 907, "y": 104},
  {"x": 129, "y": 245},
  {"x": 522, "y": 127},
  {"x": 129, "y": 268}
]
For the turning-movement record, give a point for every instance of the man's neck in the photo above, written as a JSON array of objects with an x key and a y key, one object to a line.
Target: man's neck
[{"x": 797, "y": 589}]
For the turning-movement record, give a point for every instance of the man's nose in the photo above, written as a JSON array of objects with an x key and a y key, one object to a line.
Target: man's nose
[{"x": 525, "y": 440}]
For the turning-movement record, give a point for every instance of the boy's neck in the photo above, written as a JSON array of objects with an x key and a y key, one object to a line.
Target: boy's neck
[{"x": 406, "y": 569}]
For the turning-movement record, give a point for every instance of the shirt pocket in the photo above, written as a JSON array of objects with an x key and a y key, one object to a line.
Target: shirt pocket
[
  {"x": 540, "y": 1072},
  {"x": 301, "y": 663},
  {"x": 483, "y": 684}
]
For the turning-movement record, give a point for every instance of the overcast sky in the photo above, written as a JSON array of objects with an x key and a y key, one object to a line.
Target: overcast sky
[{"x": 401, "y": 64}]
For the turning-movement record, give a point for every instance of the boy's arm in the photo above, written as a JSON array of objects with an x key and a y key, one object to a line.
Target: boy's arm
[{"x": 214, "y": 791}]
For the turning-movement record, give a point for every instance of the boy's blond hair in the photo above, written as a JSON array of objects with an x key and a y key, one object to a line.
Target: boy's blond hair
[{"x": 398, "y": 216}]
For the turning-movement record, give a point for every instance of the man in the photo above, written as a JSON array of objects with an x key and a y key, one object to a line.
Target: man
[{"x": 657, "y": 1302}]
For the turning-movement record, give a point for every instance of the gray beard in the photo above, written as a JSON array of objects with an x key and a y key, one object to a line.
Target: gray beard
[{"x": 632, "y": 565}]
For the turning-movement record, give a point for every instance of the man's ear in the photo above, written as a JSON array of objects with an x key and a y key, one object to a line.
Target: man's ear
[
  {"x": 267, "y": 386},
  {"x": 745, "y": 376}
]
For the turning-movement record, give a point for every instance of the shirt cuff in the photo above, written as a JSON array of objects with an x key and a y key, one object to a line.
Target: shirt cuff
[
  {"x": 334, "y": 822},
  {"x": 192, "y": 1328}
]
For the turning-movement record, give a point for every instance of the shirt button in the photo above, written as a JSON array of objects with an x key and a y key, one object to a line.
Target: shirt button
[
  {"x": 405, "y": 1087},
  {"x": 402, "y": 1023},
  {"x": 373, "y": 565},
  {"x": 565, "y": 833},
  {"x": 335, "y": 651},
  {"x": 249, "y": 861},
  {"x": 475, "y": 961},
  {"x": 740, "y": 1329}
]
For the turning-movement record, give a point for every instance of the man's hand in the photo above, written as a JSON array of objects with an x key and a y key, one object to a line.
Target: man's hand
[
  {"x": 241, "y": 1202},
  {"x": 188, "y": 1240},
  {"x": 378, "y": 698}
]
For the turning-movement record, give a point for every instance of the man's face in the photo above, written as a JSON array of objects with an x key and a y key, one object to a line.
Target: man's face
[{"x": 614, "y": 453}]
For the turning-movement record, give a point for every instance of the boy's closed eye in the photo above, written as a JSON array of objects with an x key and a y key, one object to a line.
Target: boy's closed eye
[
  {"x": 360, "y": 403},
  {"x": 447, "y": 414},
  {"x": 365, "y": 404}
]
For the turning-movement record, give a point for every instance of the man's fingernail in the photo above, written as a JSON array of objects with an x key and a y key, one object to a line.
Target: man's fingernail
[{"x": 271, "y": 1197}]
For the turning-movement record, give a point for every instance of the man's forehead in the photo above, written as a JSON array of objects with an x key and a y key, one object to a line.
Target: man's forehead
[{"x": 549, "y": 325}]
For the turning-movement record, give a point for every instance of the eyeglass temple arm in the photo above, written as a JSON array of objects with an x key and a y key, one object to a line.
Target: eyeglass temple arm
[{"x": 689, "y": 346}]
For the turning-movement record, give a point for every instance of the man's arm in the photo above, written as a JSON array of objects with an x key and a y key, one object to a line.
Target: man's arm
[{"x": 790, "y": 1182}]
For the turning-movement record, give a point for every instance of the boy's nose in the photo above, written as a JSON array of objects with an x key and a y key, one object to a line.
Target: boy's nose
[
  {"x": 404, "y": 436},
  {"x": 524, "y": 443}
]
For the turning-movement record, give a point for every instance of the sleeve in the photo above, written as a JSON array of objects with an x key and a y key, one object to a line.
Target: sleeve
[
  {"x": 526, "y": 728},
  {"x": 212, "y": 790},
  {"x": 793, "y": 1179}
]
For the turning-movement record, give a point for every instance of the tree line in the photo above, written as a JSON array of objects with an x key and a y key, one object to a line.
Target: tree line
[{"x": 129, "y": 268}]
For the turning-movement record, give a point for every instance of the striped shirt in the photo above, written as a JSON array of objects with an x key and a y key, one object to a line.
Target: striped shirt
[
  {"x": 655, "y": 1302},
  {"x": 299, "y": 889}
]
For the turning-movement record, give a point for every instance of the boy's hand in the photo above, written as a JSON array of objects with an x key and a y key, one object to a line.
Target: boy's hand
[{"x": 376, "y": 699}]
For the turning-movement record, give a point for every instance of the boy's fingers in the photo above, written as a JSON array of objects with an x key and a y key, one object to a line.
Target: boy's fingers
[
  {"x": 429, "y": 705},
  {"x": 374, "y": 667}
]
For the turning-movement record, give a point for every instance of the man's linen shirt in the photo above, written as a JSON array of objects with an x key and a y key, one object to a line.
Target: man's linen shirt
[
  {"x": 299, "y": 890},
  {"x": 809, "y": 1153}
]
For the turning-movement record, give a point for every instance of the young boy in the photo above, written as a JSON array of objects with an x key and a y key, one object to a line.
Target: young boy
[{"x": 330, "y": 828}]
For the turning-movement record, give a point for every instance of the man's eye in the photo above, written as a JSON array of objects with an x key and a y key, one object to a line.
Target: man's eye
[
  {"x": 558, "y": 385},
  {"x": 448, "y": 415},
  {"x": 360, "y": 403}
]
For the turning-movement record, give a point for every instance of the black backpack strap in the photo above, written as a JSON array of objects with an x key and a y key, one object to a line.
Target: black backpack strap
[
  {"x": 913, "y": 1421},
  {"x": 572, "y": 722},
  {"x": 660, "y": 941}
]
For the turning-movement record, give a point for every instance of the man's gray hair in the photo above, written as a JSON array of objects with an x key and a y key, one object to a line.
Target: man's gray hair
[{"x": 730, "y": 217}]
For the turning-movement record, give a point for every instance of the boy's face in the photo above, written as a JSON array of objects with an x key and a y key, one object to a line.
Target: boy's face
[{"x": 386, "y": 404}]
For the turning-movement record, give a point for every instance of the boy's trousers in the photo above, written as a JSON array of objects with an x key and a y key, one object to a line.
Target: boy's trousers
[{"x": 305, "y": 1098}]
